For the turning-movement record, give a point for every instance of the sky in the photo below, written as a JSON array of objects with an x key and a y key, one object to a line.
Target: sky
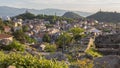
[{"x": 76, "y": 5}]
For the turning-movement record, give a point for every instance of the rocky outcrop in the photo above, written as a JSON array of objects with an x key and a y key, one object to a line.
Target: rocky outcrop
[
  {"x": 107, "y": 39},
  {"x": 108, "y": 44},
  {"x": 58, "y": 56},
  {"x": 110, "y": 61}
]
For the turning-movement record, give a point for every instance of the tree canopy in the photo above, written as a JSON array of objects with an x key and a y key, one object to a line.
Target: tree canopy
[
  {"x": 64, "y": 39},
  {"x": 22, "y": 37},
  {"x": 46, "y": 38},
  {"x": 77, "y": 33},
  {"x": 15, "y": 45},
  {"x": 24, "y": 16},
  {"x": 50, "y": 18}
]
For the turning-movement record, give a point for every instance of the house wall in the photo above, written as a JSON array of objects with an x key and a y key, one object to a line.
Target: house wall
[{"x": 10, "y": 38}]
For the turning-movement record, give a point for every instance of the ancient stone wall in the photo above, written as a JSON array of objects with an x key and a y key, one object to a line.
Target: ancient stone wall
[{"x": 108, "y": 44}]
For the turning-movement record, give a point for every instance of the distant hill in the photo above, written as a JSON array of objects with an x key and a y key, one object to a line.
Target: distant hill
[
  {"x": 72, "y": 15},
  {"x": 51, "y": 18},
  {"x": 10, "y": 11},
  {"x": 112, "y": 17}
]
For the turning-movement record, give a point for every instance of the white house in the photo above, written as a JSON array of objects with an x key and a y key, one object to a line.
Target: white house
[{"x": 95, "y": 31}]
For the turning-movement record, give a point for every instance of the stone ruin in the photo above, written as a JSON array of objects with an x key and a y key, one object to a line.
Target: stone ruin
[
  {"x": 109, "y": 61},
  {"x": 108, "y": 44}
]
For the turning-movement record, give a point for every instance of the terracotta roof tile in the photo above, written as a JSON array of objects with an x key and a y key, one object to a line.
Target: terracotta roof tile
[{"x": 2, "y": 36}]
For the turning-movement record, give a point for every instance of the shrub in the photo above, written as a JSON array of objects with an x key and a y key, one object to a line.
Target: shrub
[
  {"x": 46, "y": 38},
  {"x": 28, "y": 61},
  {"x": 50, "y": 48},
  {"x": 22, "y": 37},
  {"x": 85, "y": 63},
  {"x": 15, "y": 45},
  {"x": 63, "y": 40},
  {"x": 93, "y": 53}
]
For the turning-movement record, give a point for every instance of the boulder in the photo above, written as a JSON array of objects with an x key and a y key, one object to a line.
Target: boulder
[{"x": 110, "y": 61}]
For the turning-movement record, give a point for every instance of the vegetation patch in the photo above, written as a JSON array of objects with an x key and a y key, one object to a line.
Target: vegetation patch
[
  {"x": 94, "y": 53},
  {"x": 85, "y": 63},
  {"x": 28, "y": 61},
  {"x": 50, "y": 48}
]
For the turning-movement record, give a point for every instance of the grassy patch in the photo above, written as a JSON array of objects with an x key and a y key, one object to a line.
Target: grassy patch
[
  {"x": 28, "y": 61},
  {"x": 94, "y": 53}
]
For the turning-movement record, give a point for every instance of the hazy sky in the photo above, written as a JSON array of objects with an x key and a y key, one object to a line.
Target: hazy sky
[{"x": 78, "y": 5}]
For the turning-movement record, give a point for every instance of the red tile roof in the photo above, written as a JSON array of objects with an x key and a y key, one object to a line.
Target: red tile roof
[
  {"x": 6, "y": 27},
  {"x": 3, "y": 36}
]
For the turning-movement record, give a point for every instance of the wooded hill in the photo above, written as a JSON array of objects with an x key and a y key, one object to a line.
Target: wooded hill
[
  {"x": 72, "y": 15},
  {"x": 112, "y": 17}
]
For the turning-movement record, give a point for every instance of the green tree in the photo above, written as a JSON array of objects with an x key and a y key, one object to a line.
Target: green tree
[
  {"x": 30, "y": 40},
  {"x": 27, "y": 15},
  {"x": 1, "y": 24},
  {"x": 77, "y": 33},
  {"x": 64, "y": 39},
  {"x": 22, "y": 37},
  {"x": 53, "y": 19},
  {"x": 15, "y": 45},
  {"x": 46, "y": 38},
  {"x": 50, "y": 47},
  {"x": 25, "y": 28}
]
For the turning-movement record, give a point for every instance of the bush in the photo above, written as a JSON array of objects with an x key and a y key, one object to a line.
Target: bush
[
  {"x": 29, "y": 39},
  {"x": 63, "y": 40},
  {"x": 22, "y": 37},
  {"x": 78, "y": 33},
  {"x": 50, "y": 48},
  {"x": 46, "y": 38},
  {"x": 28, "y": 61},
  {"x": 15, "y": 45},
  {"x": 94, "y": 53},
  {"x": 85, "y": 63},
  {"x": 25, "y": 28}
]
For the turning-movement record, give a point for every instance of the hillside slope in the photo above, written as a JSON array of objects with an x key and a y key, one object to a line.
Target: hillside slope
[
  {"x": 112, "y": 17},
  {"x": 72, "y": 15}
]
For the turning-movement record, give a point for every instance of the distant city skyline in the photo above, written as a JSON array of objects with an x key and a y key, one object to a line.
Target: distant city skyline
[{"x": 75, "y": 5}]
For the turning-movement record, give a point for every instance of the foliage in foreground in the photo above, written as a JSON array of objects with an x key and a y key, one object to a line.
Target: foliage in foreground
[
  {"x": 85, "y": 63},
  {"x": 22, "y": 37},
  {"x": 50, "y": 18},
  {"x": 15, "y": 45},
  {"x": 94, "y": 53},
  {"x": 64, "y": 39},
  {"x": 28, "y": 61},
  {"x": 50, "y": 47}
]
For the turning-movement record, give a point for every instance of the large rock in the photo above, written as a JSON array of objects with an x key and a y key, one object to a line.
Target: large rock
[{"x": 110, "y": 61}]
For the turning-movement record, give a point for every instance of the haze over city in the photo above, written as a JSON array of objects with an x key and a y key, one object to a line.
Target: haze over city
[{"x": 77, "y": 5}]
